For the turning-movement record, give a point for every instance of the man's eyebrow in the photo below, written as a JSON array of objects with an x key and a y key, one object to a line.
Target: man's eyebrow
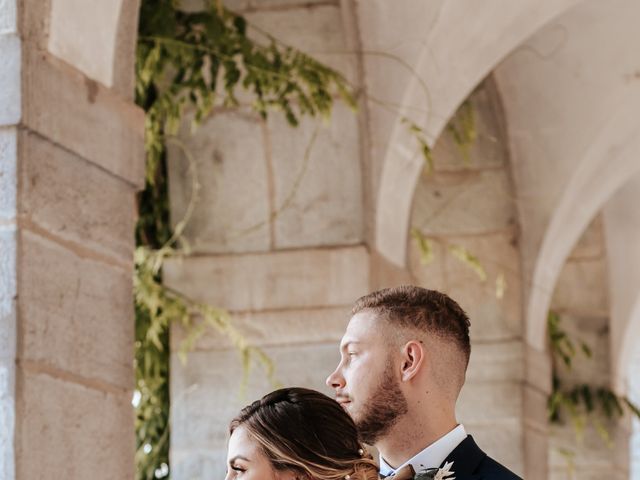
[
  {"x": 346, "y": 344},
  {"x": 238, "y": 457}
]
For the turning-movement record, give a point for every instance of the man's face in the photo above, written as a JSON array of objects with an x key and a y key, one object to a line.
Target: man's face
[{"x": 365, "y": 380}]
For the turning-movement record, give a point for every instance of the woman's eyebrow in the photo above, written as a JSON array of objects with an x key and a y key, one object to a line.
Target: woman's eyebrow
[{"x": 238, "y": 457}]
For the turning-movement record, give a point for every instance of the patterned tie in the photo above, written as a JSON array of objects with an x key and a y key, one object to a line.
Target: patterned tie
[{"x": 408, "y": 473}]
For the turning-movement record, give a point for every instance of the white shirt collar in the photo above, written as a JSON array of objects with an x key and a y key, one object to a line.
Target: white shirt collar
[{"x": 432, "y": 456}]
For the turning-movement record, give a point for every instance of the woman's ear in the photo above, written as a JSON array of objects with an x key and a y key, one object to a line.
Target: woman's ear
[{"x": 413, "y": 358}]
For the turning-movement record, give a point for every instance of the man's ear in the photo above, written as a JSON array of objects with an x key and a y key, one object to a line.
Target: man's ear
[{"x": 413, "y": 359}]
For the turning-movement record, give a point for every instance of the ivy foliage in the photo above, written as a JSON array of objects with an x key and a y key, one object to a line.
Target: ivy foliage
[
  {"x": 191, "y": 63},
  {"x": 582, "y": 404}
]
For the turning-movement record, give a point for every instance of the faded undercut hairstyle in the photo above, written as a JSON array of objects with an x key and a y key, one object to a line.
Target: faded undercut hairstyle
[
  {"x": 428, "y": 311},
  {"x": 307, "y": 432}
]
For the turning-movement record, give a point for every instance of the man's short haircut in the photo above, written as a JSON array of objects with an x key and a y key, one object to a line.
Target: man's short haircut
[{"x": 429, "y": 311}]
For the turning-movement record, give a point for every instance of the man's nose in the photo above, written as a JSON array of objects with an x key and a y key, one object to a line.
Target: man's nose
[{"x": 335, "y": 380}]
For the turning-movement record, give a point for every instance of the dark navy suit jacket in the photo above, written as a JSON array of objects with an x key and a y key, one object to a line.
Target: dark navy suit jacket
[{"x": 471, "y": 463}]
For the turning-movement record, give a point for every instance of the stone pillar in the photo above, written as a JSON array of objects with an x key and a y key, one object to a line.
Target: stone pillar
[
  {"x": 9, "y": 119},
  {"x": 537, "y": 387},
  {"x": 71, "y": 160}
]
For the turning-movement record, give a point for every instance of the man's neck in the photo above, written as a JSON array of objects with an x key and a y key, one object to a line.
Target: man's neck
[{"x": 410, "y": 436}]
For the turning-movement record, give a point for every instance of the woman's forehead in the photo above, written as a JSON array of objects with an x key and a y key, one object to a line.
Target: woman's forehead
[{"x": 241, "y": 444}]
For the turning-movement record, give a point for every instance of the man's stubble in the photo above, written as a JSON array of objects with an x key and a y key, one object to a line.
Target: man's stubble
[{"x": 382, "y": 410}]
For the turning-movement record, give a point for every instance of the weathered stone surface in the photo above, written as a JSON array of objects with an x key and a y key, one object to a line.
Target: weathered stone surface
[
  {"x": 536, "y": 451},
  {"x": 8, "y": 334},
  {"x": 294, "y": 279},
  {"x": 8, "y": 172},
  {"x": 431, "y": 275},
  {"x": 496, "y": 362},
  {"x": 7, "y": 416},
  {"x": 8, "y": 291},
  {"x": 209, "y": 384},
  {"x": 385, "y": 274},
  {"x": 232, "y": 208},
  {"x": 319, "y": 195},
  {"x": 76, "y": 313},
  {"x": 70, "y": 431},
  {"x": 199, "y": 5},
  {"x": 465, "y": 202},
  {"x": 10, "y": 92},
  {"x": 74, "y": 199},
  {"x": 198, "y": 464},
  {"x": 260, "y": 4},
  {"x": 316, "y": 30},
  {"x": 486, "y": 403},
  {"x": 281, "y": 327},
  {"x": 591, "y": 244},
  {"x": 492, "y": 318},
  {"x": 593, "y": 453},
  {"x": 538, "y": 369},
  {"x": 635, "y": 449},
  {"x": 536, "y": 415},
  {"x": 90, "y": 45},
  {"x": 582, "y": 287},
  {"x": 8, "y": 16},
  {"x": 488, "y": 149},
  {"x": 98, "y": 125},
  {"x": 124, "y": 72}
]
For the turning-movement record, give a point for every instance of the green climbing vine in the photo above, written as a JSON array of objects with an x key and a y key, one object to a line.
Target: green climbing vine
[
  {"x": 583, "y": 404},
  {"x": 196, "y": 62}
]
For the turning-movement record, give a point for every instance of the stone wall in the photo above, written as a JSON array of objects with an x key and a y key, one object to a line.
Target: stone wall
[{"x": 277, "y": 237}]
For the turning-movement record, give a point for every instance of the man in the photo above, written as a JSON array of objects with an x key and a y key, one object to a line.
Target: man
[{"x": 404, "y": 357}]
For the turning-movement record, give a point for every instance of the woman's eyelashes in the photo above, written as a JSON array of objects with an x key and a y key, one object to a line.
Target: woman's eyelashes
[{"x": 238, "y": 469}]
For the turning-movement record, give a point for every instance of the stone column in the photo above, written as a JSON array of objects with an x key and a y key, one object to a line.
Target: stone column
[
  {"x": 71, "y": 160},
  {"x": 537, "y": 387},
  {"x": 9, "y": 119}
]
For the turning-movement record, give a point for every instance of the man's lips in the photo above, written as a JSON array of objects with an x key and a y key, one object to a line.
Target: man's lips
[{"x": 343, "y": 400}]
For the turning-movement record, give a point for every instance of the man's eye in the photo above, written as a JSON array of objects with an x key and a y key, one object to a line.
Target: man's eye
[{"x": 351, "y": 354}]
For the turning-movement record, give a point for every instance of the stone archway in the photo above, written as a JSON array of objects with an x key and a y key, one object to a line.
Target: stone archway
[
  {"x": 447, "y": 68},
  {"x": 622, "y": 225},
  {"x": 571, "y": 157},
  {"x": 72, "y": 158}
]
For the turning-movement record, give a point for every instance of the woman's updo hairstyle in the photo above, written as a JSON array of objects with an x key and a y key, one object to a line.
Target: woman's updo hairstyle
[{"x": 309, "y": 433}]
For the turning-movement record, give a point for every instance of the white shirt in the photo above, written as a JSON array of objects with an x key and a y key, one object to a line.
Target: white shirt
[{"x": 432, "y": 456}]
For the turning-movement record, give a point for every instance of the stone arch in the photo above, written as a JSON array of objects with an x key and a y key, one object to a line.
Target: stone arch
[
  {"x": 570, "y": 155},
  {"x": 622, "y": 224},
  {"x": 101, "y": 44},
  {"x": 610, "y": 161},
  {"x": 448, "y": 82}
]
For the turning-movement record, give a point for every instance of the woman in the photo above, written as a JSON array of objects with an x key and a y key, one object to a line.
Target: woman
[{"x": 296, "y": 434}]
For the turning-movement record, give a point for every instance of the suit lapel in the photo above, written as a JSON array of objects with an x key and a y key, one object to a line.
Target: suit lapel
[{"x": 466, "y": 458}]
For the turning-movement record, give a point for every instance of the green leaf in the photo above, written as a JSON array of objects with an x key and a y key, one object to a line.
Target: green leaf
[
  {"x": 470, "y": 260},
  {"x": 425, "y": 246}
]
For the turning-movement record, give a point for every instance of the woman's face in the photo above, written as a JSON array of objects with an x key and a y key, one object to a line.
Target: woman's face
[{"x": 245, "y": 460}]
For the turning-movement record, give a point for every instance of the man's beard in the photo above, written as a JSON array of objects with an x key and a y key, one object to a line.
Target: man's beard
[{"x": 383, "y": 409}]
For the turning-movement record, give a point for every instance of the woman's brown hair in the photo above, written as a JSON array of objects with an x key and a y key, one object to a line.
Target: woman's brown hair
[{"x": 309, "y": 433}]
